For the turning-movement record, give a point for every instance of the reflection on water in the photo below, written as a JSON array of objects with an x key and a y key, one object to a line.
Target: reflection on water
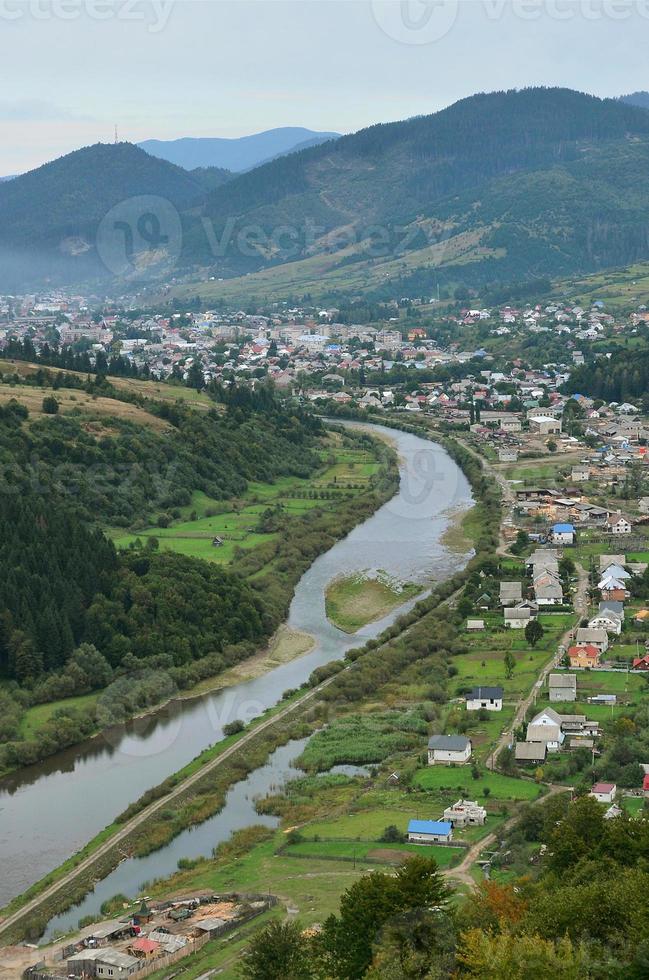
[
  {"x": 49, "y": 811},
  {"x": 238, "y": 811}
]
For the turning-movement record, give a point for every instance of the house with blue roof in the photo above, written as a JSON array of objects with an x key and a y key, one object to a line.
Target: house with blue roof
[
  {"x": 430, "y": 832},
  {"x": 563, "y": 533}
]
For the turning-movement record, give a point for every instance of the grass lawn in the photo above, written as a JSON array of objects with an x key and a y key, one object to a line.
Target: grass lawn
[
  {"x": 460, "y": 781},
  {"x": 365, "y": 825},
  {"x": 634, "y": 805},
  {"x": 373, "y": 851},
  {"x": 357, "y": 600},
  {"x": 34, "y": 718},
  {"x": 236, "y": 523}
]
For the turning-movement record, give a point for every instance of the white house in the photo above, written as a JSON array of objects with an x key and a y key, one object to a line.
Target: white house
[
  {"x": 609, "y": 617},
  {"x": 430, "y": 832},
  {"x": 490, "y": 698},
  {"x": 563, "y": 534},
  {"x": 518, "y": 617},
  {"x": 604, "y": 792},
  {"x": 445, "y": 749},
  {"x": 617, "y": 524},
  {"x": 546, "y": 727}
]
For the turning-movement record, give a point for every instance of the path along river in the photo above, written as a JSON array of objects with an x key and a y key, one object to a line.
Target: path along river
[{"x": 49, "y": 811}]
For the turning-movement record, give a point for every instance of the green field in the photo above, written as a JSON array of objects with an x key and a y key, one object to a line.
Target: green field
[
  {"x": 236, "y": 524},
  {"x": 459, "y": 780},
  {"x": 372, "y": 851}
]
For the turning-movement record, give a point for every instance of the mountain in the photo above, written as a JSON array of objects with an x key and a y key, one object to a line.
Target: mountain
[
  {"x": 235, "y": 154},
  {"x": 636, "y": 98},
  {"x": 49, "y": 217},
  {"x": 497, "y": 187}
]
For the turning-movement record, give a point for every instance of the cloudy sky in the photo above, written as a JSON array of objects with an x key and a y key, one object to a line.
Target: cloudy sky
[{"x": 71, "y": 69}]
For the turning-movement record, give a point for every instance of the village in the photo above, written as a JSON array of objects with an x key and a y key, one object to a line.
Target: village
[{"x": 554, "y": 633}]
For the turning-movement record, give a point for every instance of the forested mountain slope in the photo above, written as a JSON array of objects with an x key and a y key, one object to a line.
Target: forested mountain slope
[{"x": 498, "y": 186}]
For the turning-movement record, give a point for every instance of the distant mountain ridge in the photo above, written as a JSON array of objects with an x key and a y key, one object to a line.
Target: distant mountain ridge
[
  {"x": 237, "y": 154},
  {"x": 640, "y": 99},
  {"x": 497, "y": 188}
]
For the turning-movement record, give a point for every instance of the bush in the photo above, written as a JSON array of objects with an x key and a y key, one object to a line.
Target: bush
[
  {"x": 392, "y": 835},
  {"x": 50, "y": 405},
  {"x": 233, "y": 727}
]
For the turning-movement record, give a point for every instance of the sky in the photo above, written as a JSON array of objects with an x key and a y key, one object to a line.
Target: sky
[{"x": 73, "y": 69}]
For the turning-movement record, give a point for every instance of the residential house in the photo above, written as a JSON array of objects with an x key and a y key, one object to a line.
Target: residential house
[
  {"x": 474, "y": 625},
  {"x": 445, "y": 749},
  {"x": 518, "y": 617},
  {"x": 103, "y": 962},
  {"x": 579, "y": 725},
  {"x": 609, "y": 617},
  {"x": 583, "y": 656},
  {"x": 489, "y": 698},
  {"x": 617, "y": 524},
  {"x": 562, "y": 687},
  {"x": 641, "y": 663},
  {"x": 465, "y": 813},
  {"x": 580, "y": 474},
  {"x": 604, "y": 792},
  {"x": 546, "y": 727},
  {"x": 645, "y": 785},
  {"x": 510, "y": 593},
  {"x": 563, "y": 534},
  {"x": 430, "y": 832},
  {"x": 613, "y": 565},
  {"x": 530, "y": 752},
  {"x": 593, "y": 637},
  {"x": 548, "y": 590}
]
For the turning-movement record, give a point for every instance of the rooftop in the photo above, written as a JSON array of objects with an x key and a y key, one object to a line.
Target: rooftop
[{"x": 441, "y": 827}]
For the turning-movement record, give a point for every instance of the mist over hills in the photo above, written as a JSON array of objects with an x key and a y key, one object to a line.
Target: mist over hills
[{"x": 496, "y": 188}]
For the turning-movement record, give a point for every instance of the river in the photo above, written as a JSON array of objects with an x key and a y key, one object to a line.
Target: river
[{"x": 49, "y": 811}]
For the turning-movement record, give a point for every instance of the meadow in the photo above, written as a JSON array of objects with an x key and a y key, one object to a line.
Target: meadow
[{"x": 214, "y": 530}]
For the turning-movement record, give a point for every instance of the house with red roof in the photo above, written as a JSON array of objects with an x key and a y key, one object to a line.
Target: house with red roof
[{"x": 604, "y": 792}]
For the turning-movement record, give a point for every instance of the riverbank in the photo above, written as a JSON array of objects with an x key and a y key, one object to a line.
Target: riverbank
[
  {"x": 310, "y": 516},
  {"x": 329, "y": 641},
  {"x": 287, "y": 644}
]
